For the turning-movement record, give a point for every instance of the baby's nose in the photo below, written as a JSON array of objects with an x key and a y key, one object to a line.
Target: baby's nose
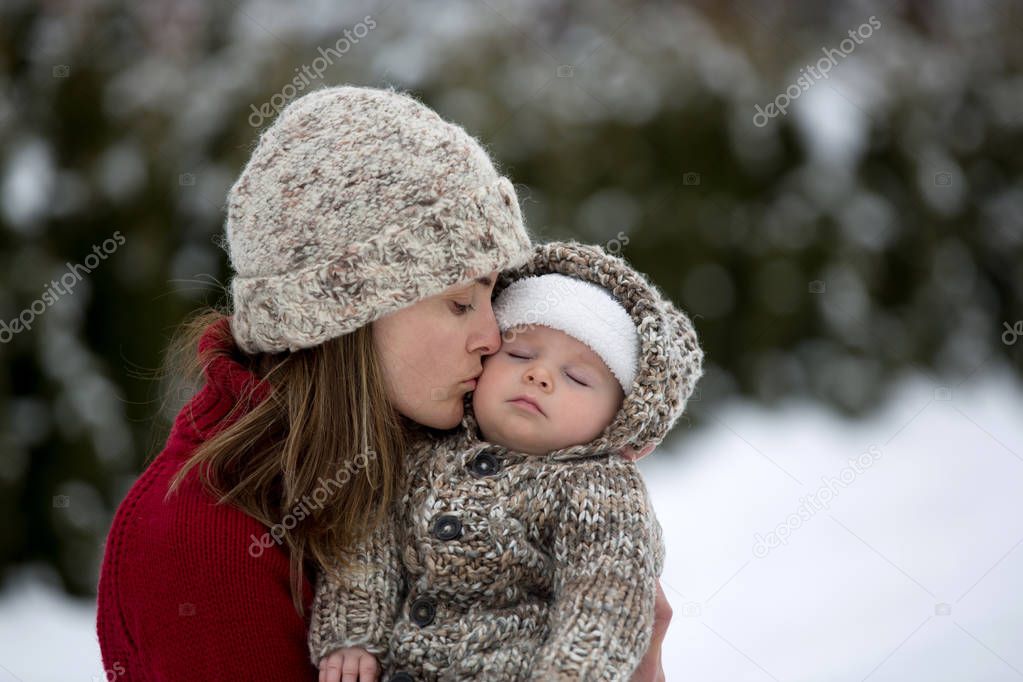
[{"x": 538, "y": 377}]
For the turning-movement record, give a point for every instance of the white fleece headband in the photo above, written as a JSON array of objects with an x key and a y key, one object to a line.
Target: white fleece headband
[{"x": 583, "y": 310}]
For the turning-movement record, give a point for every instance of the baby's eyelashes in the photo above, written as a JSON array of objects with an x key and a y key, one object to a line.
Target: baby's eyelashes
[{"x": 578, "y": 381}]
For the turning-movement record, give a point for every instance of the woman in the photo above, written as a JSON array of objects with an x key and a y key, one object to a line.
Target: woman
[{"x": 366, "y": 235}]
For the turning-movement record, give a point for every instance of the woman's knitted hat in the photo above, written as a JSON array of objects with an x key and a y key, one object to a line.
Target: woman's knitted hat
[{"x": 355, "y": 203}]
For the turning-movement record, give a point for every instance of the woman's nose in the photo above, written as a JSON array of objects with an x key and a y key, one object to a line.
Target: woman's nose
[{"x": 487, "y": 336}]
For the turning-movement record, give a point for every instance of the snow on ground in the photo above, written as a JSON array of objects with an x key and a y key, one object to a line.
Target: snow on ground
[
  {"x": 786, "y": 561},
  {"x": 44, "y": 634},
  {"x": 905, "y": 565}
]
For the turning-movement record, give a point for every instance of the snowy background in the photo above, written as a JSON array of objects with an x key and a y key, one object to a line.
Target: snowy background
[
  {"x": 914, "y": 571},
  {"x": 853, "y": 267}
]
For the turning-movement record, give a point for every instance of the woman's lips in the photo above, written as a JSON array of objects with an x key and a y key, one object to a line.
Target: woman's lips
[{"x": 471, "y": 383}]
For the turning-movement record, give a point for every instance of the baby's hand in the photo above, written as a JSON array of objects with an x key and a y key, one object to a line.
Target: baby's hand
[{"x": 349, "y": 665}]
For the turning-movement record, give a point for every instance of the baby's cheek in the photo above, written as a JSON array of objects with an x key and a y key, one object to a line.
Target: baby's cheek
[
  {"x": 586, "y": 417},
  {"x": 481, "y": 395},
  {"x": 491, "y": 377},
  {"x": 482, "y": 409}
]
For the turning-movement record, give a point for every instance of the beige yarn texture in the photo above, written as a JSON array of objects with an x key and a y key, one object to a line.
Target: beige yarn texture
[
  {"x": 552, "y": 572},
  {"x": 357, "y": 202}
]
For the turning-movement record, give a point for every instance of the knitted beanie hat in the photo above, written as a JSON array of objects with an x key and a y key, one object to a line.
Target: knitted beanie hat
[
  {"x": 355, "y": 203},
  {"x": 583, "y": 310}
]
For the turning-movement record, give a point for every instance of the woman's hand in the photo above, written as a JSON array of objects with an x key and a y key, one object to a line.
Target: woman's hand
[
  {"x": 349, "y": 665},
  {"x": 630, "y": 453},
  {"x": 650, "y": 669}
]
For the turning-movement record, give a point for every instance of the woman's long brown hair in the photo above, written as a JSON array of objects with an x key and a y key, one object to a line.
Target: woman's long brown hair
[{"x": 327, "y": 413}]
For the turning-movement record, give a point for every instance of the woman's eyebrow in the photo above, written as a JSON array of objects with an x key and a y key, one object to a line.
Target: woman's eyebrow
[{"x": 485, "y": 281}]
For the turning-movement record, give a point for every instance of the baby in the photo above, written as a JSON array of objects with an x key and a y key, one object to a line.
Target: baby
[{"x": 525, "y": 546}]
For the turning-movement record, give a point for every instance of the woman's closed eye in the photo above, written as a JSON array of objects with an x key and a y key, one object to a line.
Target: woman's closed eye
[{"x": 461, "y": 309}]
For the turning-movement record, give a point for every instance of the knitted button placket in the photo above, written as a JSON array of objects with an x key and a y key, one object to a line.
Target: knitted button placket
[
  {"x": 447, "y": 527},
  {"x": 422, "y": 611}
]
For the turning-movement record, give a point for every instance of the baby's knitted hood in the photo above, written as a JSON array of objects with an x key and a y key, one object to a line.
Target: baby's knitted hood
[{"x": 670, "y": 358}]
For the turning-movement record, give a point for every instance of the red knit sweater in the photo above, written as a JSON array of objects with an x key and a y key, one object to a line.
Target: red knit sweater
[{"x": 180, "y": 595}]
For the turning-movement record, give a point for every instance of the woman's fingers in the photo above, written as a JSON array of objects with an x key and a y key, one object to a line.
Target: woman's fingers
[
  {"x": 350, "y": 669},
  {"x": 662, "y": 613},
  {"x": 330, "y": 668},
  {"x": 650, "y": 668},
  {"x": 662, "y": 617},
  {"x": 349, "y": 665},
  {"x": 369, "y": 671}
]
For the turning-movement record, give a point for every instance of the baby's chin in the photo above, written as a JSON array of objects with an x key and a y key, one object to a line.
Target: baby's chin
[
  {"x": 509, "y": 440},
  {"x": 485, "y": 419},
  {"x": 515, "y": 446}
]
